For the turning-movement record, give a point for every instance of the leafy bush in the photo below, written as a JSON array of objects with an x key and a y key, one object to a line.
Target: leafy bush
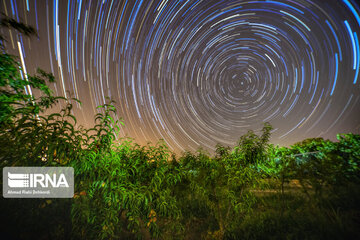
[
  {"x": 223, "y": 184},
  {"x": 125, "y": 191}
]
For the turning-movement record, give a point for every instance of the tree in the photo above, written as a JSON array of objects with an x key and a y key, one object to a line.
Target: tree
[{"x": 253, "y": 147}]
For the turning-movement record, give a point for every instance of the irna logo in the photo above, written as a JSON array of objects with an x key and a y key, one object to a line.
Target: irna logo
[
  {"x": 18, "y": 180},
  {"x": 38, "y": 182}
]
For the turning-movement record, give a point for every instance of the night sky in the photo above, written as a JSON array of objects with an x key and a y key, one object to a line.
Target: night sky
[{"x": 196, "y": 73}]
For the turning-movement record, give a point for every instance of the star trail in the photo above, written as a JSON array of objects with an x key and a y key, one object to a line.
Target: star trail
[{"x": 197, "y": 73}]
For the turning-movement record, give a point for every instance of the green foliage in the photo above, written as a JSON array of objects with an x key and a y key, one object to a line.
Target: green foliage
[
  {"x": 12, "y": 84},
  {"x": 106, "y": 129},
  {"x": 27, "y": 137},
  {"x": 222, "y": 184},
  {"x": 253, "y": 147},
  {"x": 125, "y": 190}
]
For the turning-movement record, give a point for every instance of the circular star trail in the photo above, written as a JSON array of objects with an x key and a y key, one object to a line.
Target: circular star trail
[{"x": 197, "y": 73}]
